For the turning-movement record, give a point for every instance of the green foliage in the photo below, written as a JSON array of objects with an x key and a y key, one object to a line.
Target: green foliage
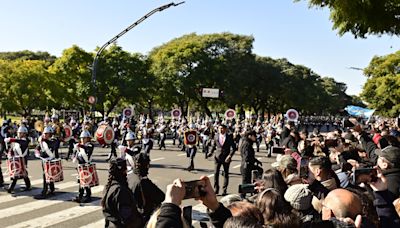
[
  {"x": 28, "y": 55},
  {"x": 362, "y": 17},
  {"x": 382, "y": 89},
  {"x": 23, "y": 86}
]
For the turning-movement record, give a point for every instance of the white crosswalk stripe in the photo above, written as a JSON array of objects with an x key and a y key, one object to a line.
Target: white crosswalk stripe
[
  {"x": 61, "y": 216},
  {"x": 8, "y": 212},
  {"x": 22, "y": 195}
]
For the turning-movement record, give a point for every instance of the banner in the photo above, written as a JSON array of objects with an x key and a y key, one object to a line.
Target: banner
[{"x": 359, "y": 111}]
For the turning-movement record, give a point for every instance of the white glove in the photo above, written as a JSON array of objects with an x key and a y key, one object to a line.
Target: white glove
[
  {"x": 7, "y": 140},
  {"x": 37, "y": 153}
]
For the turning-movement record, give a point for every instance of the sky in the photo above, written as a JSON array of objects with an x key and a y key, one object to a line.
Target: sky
[{"x": 281, "y": 29}]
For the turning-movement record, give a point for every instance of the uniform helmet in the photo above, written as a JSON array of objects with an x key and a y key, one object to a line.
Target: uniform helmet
[
  {"x": 115, "y": 123},
  {"x": 85, "y": 134},
  {"x": 54, "y": 117},
  {"x": 148, "y": 121},
  {"x": 130, "y": 136},
  {"x": 5, "y": 122},
  {"x": 22, "y": 129},
  {"x": 192, "y": 126},
  {"x": 48, "y": 129}
]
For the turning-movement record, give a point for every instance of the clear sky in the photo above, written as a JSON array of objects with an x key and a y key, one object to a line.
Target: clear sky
[{"x": 281, "y": 28}]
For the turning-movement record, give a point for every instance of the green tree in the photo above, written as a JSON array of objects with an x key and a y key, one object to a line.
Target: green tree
[
  {"x": 24, "y": 86},
  {"x": 28, "y": 55},
  {"x": 382, "y": 89},
  {"x": 73, "y": 75},
  {"x": 122, "y": 76},
  {"x": 362, "y": 17},
  {"x": 185, "y": 65}
]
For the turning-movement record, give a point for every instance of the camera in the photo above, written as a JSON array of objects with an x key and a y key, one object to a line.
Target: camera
[
  {"x": 194, "y": 189},
  {"x": 247, "y": 188},
  {"x": 365, "y": 175}
]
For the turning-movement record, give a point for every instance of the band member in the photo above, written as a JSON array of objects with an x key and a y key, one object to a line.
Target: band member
[
  {"x": 114, "y": 143},
  {"x": 161, "y": 130},
  {"x": 206, "y": 136},
  {"x": 147, "y": 136},
  {"x": 46, "y": 150},
  {"x": 259, "y": 131},
  {"x": 58, "y": 130},
  {"x": 83, "y": 156},
  {"x": 174, "y": 129},
  {"x": 190, "y": 140},
  {"x": 5, "y": 133},
  {"x": 74, "y": 138},
  {"x": 19, "y": 148},
  {"x": 182, "y": 128},
  {"x": 128, "y": 152},
  {"x": 225, "y": 147}
]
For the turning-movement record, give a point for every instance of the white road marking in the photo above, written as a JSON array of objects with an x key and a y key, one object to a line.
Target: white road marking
[
  {"x": 99, "y": 223},
  {"x": 211, "y": 175},
  {"x": 23, "y": 195},
  {"x": 38, "y": 204},
  {"x": 157, "y": 159},
  {"x": 236, "y": 166},
  {"x": 180, "y": 155},
  {"x": 61, "y": 216}
]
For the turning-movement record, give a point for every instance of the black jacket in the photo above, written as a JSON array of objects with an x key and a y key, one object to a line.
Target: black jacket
[
  {"x": 148, "y": 196},
  {"x": 219, "y": 216},
  {"x": 223, "y": 151},
  {"x": 170, "y": 216},
  {"x": 369, "y": 147},
  {"x": 120, "y": 207},
  {"x": 388, "y": 216}
]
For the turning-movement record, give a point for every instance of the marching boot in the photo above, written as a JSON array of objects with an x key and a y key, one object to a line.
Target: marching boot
[{"x": 79, "y": 197}]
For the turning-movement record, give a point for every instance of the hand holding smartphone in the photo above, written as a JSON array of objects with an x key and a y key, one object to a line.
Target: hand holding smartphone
[{"x": 194, "y": 189}]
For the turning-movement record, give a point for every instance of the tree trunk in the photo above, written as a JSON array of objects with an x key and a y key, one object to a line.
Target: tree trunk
[{"x": 113, "y": 104}]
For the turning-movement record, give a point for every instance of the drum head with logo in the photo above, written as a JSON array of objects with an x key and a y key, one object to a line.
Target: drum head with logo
[
  {"x": 108, "y": 135},
  {"x": 230, "y": 114}
]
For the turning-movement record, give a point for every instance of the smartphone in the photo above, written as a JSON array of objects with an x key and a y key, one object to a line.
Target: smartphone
[
  {"x": 303, "y": 171},
  {"x": 187, "y": 214},
  {"x": 247, "y": 188},
  {"x": 256, "y": 175},
  {"x": 194, "y": 189},
  {"x": 365, "y": 175},
  {"x": 278, "y": 150}
]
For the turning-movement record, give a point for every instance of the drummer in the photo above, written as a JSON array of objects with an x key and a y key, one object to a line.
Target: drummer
[
  {"x": 19, "y": 148},
  {"x": 46, "y": 150},
  {"x": 83, "y": 156}
]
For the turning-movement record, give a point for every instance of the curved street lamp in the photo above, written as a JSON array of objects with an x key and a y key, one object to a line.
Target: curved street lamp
[{"x": 115, "y": 38}]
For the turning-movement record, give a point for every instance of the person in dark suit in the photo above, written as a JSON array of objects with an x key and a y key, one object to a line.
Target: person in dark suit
[{"x": 224, "y": 147}]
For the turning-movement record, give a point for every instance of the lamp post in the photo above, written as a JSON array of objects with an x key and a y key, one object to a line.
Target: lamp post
[{"x": 115, "y": 38}]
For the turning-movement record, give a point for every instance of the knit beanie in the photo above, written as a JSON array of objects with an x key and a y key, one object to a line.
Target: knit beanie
[{"x": 299, "y": 196}]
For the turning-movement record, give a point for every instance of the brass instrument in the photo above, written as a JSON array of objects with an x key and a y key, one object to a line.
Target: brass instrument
[{"x": 39, "y": 126}]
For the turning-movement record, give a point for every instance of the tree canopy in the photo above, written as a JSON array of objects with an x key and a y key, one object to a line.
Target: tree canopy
[
  {"x": 363, "y": 17},
  {"x": 382, "y": 89}
]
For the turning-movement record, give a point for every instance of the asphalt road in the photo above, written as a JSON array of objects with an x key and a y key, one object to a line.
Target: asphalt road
[{"x": 22, "y": 210}]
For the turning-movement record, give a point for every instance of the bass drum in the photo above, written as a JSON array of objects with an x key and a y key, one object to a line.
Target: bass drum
[{"x": 105, "y": 135}]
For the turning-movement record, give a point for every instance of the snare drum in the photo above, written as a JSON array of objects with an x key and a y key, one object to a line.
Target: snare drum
[
  {"x": 88, "y": 175},
  {"x": 105, "y": 134},
  {"x": 53, "y": 171},
  {"x": 16, "y": 167}
]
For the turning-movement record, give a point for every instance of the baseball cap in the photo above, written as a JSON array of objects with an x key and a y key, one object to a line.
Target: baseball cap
[{"x": 390, "y": 153}]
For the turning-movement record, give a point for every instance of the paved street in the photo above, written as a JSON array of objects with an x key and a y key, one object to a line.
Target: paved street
[{"x": 21, "y": 210}]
